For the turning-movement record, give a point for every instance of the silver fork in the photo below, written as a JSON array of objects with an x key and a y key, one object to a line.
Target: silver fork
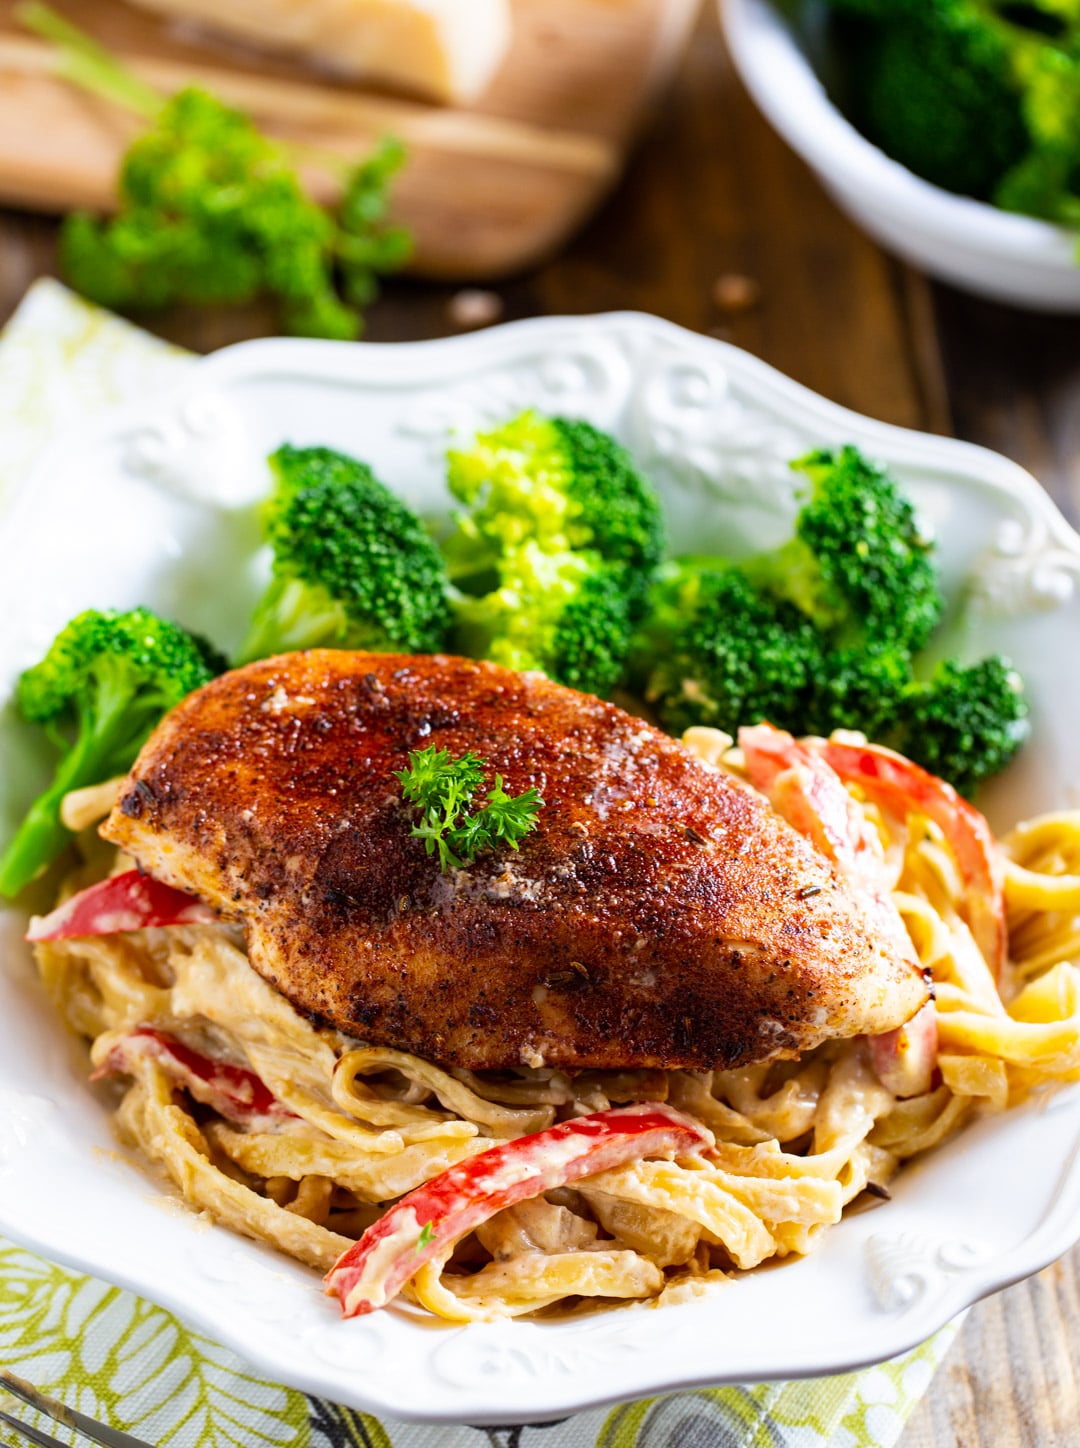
[{"x": 59, "y": 1413}]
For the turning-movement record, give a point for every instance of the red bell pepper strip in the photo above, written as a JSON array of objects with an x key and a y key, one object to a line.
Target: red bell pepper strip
[
  {"x": 811, "y": 797},
  {"x": 132, "y": 901},
  {"x": 233, "y": 1091},
  {"x": 904, "y": 787},
  {"x": 434, "y": 1216}
]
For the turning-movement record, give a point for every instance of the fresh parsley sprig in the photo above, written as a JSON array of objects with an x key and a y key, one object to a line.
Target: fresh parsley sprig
[
  {"x": 426, "y": 1237},
  {"x": 211, "y": 211},
  {"x": 444, "y": 789}
]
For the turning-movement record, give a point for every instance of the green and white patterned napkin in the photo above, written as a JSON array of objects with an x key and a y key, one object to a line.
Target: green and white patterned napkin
[{"x": 122, "y": 1360}]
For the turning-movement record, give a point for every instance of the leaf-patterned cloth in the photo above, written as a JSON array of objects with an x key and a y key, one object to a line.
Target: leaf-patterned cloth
[{"x": 133, "y": 1365}]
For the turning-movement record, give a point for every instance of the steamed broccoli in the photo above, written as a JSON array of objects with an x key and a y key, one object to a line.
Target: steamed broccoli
[
  {"x": 212, "y": 211},
  {"x": 822, "y": 633},
  {"x": 553, "y": 550},
  {"x": 981, "y": 97},
  {"x": 964, "y": 724},
  {"x": 859, "y": 565},
  {"x": 1046, "y": 182},
  {"x": 561, "y": 612},
  {"x": 353, "y": 567},
  {"x": 860, "y": 689},
  {"x": 104, "y": 683},
  {"x": 715, "y": 651},
  {"x": 934, "y": 88},
  {"x": 561, "y": 484}
]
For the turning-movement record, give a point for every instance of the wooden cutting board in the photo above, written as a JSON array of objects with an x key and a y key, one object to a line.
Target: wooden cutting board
[{"x": 488, "y": 189}]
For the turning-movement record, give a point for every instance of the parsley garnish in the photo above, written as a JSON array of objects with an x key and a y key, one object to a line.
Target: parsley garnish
[
  {"x": 427, "y": 1234},
  {"x": 444, "y": 789}
]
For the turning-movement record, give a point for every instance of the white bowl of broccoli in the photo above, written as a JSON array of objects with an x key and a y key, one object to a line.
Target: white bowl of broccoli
[{"x": 785, "y": 57}]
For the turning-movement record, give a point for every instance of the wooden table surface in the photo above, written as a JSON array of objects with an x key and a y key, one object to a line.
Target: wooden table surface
[{"x": 713, "y": 194}]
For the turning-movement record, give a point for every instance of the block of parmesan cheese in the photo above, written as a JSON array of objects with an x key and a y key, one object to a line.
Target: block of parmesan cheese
[{"x": 447, "y": 50}]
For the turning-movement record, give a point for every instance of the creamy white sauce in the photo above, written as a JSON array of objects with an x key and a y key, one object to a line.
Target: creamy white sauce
[
  {"x": 371, "y": 1285},
  {"x": 114, "y": 921}
]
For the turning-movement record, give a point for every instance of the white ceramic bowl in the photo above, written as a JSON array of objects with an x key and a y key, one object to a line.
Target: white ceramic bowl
[
  {"x": 975, "y": 246},
  {"x": 156, "y": 508}
]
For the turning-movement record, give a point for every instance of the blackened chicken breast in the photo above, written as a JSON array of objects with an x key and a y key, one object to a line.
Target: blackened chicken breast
[{"x": 660, "y": 914}]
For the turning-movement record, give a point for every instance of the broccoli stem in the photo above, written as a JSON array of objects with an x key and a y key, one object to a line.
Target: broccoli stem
[
  {"x": 83, "y": 62},
  {"x": 294, "y": 615},
  {"x": 111, "y": 728},
  {"x": 40, "y": 838},
  {"x": 42, "y": 835}
]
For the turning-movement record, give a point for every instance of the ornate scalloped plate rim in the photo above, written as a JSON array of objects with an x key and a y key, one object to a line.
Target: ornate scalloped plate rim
[
  {"x": 382, "y": 366},
  {"x": 292, "y": 1365},
  {"x": 630, "y": 1334}
]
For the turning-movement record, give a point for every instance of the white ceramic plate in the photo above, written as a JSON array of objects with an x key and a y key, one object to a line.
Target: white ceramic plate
[
  {"x": 154, "y": 508},
  {"x": 975, "y": 246}
]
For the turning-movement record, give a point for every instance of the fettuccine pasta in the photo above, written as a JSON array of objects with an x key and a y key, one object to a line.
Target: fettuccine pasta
[{"x": 359, "y": 1126}]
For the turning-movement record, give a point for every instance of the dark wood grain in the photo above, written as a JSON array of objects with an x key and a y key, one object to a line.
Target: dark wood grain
[
  {"x": 712, "y": 193},
  {"x": 1012, "y": 1380},
  {"x": 1014, "y": 381}
]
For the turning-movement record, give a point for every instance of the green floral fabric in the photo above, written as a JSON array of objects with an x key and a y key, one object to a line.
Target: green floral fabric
[
  {"x": 128, "y": 1363},
  {"x": 133, "y": 1365}
]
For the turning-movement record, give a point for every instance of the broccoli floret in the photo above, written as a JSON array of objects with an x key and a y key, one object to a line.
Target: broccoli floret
[
  {"x": 353, "y": 567},
  {"x": 1046, "y": 182},
  {"x": 859, "y": 565},
  {"x": 822, "y": 633},
  {"x": 562, "y": 484},
  {"x": 562, "y": 612},
  {"x": 714, "y": 650},
  {"x": 514, "y": 484},
  {"x": 211, "y": 211},
  {"x": 613, "y": 508},
  {"x": 933, "y": 85},
  {"x": 860, "y": 689},
  {"x": 964, "y": 724},
  {"x": 105, "y": 682},
  {"x": 553, "y": 550},
  {"x": 979, "y": 96},
  {"x": 817, "y": 633}
]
